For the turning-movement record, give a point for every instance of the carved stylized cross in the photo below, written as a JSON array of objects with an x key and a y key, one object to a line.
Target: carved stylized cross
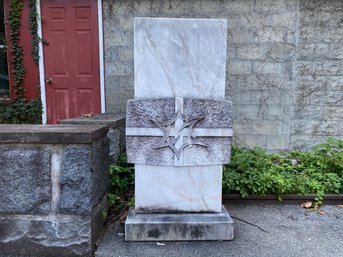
[
  {"x": 165, "y": 128},
  {"x": 178, "y": 128}
]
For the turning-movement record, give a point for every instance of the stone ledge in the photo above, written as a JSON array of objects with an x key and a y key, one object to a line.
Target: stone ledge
[
  {"x": 78, "y": 134},
  {"x": 108, "y": 119},
  {"x": 179, "y": 227}
]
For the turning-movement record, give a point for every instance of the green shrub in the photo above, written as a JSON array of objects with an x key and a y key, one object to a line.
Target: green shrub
[
  {"x": 21, "y": 111},
  {"x": 121, "y": 183},
  {"x": 256, "y": 172}
]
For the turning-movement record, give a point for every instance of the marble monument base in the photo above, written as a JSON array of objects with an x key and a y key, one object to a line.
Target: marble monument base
[{"x": 179, "y": 226}]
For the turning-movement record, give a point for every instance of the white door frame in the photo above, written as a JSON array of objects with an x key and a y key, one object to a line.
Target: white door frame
[
  {"x": 101, "y": 58},
  {"x": 41, "y": 61}
]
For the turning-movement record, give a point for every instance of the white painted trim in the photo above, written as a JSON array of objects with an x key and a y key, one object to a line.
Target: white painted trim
[
  {"x": 41, "y": 64},
  {"x": 101, "y": 58}
]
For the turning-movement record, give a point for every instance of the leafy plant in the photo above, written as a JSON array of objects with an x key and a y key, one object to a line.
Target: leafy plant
[
  {"x": 21, "y": 111},
  {"x": 34, "y": 30},
  {"x": 121, "y": 183},
  {"x": 256, "y": 172},
  {"x": 3, "y": 51},
  {"x": 17, "y": 52}
]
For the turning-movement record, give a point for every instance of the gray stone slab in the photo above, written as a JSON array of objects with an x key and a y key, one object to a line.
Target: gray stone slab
[
  {"x": 179, "y": 226},
  {"x": 99, "y": 170},
  {"x": 84, "y": 177},
  {"x": 75, "y": 180},
  {"x": 51, "y": 133},
  {"x": 115, "y": 122},
  {"x": 109, "y": 119},
  {"x": 25, "y": 180}
]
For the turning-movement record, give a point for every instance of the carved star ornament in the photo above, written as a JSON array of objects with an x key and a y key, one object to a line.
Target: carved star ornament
[{"x": 166, "y": 141}]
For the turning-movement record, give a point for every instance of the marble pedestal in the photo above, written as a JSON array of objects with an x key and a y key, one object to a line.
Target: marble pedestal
[{"x": 179, "y": 226}]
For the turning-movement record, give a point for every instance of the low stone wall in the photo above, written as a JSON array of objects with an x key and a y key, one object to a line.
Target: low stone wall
[
  {"x": 53, "y": 185},
  {"x": 116, "y": 132}
]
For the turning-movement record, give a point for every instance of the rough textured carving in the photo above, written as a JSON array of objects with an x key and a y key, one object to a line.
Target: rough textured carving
[
  {"x": 170, "y": 131},
  {"x": 217, "y": 114},
  {"x": 139, "y": 113},
  {"x": 143, "y": 151}
]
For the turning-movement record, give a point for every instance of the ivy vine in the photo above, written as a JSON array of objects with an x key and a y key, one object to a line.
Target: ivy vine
[
  {"x": 3, "y": 51},
  {"x": 18, "y": 69},
  {"x": 21, "y": 110},
  {"x": 34, "y": 30}
]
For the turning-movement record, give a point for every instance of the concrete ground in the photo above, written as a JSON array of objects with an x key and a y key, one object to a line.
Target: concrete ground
[{"x": 261, "y": 230}]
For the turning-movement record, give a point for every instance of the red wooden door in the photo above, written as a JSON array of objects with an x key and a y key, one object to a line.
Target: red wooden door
[{"x": 71, "y": 58}]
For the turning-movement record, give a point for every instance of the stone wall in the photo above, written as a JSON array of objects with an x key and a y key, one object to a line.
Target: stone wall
[
  {"x": 318, "y": 91},
  {"x": 53, "y": 185},
  {"x": 116, "y": 130},
  {"x": 284, "y": 64}
]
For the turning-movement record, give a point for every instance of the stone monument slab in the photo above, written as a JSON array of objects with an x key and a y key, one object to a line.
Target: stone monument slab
[
  {"x": 179, "y": 127},
  {"x": 179, "y": 58}
]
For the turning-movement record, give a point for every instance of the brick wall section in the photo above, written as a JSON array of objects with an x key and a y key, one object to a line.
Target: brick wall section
[{"x": 284, "y": 66}]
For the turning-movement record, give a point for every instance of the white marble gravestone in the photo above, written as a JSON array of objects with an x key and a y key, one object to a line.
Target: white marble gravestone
[{"x": 179, "y": 128}]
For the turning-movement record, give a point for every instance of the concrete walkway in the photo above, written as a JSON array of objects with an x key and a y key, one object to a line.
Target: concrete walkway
[{"x": 261, "y": 230}]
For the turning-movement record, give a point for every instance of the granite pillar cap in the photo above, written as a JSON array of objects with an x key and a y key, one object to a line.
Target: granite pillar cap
[
  {"x": 78, "y": 134},
  {"x": 109, "y": 119}
]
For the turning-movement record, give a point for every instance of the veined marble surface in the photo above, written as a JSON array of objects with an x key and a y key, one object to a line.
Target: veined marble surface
[
  {"x": 178, "y": 189},
  {"x": 180, "y": 57}
]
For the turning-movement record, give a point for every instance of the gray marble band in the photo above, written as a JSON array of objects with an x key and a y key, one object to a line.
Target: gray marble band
[{"x": 199, "y": 132}]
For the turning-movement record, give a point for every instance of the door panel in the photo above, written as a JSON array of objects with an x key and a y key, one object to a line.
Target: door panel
[
  {"x": 60, "y": 60},
  {"x": 84, "y": 61},
  {"x": 71, "y": 54},
  {"x": 84, "y": 99},
  {"x": 61, "y": 101}
]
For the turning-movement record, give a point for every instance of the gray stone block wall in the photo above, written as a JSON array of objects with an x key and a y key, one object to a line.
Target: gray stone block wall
[
  {"x": 318, "y": 101},
  {"x": 27, "y": 171},
  {"x": 116, "y": 128},
  {"x": 284, "y": 64},
  {"x": 52, "y": 189}
]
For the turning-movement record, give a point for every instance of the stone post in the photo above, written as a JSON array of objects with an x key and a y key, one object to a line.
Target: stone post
[{"x": 53, "y": 189}]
